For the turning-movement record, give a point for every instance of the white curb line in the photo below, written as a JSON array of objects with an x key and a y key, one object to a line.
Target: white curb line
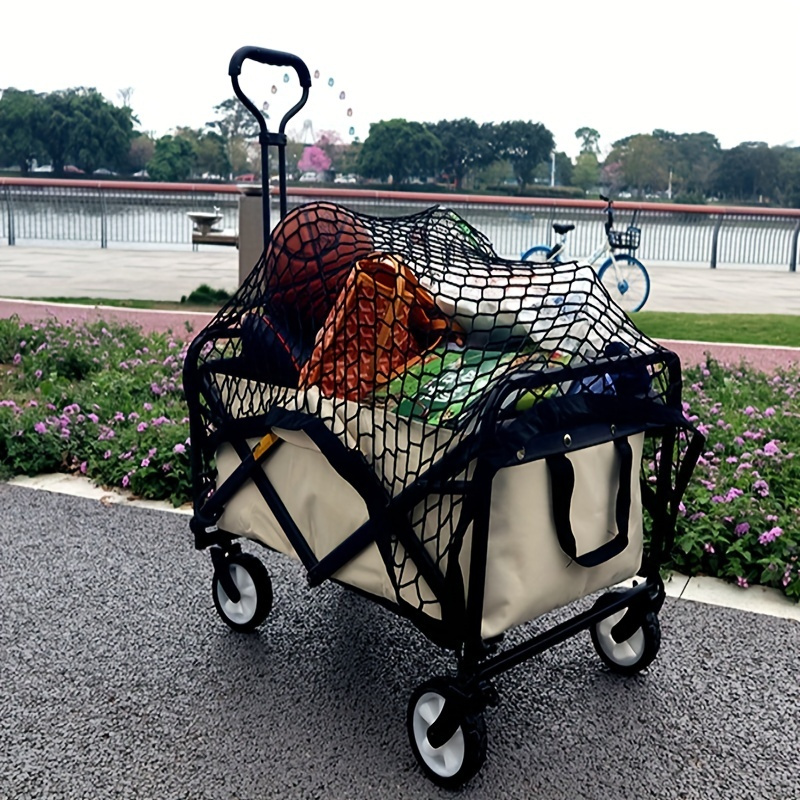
[{"x": 712, "y": 591}]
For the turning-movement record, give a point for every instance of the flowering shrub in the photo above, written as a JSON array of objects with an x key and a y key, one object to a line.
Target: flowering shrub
[
  {"x": 99, "y": 399},
  {"x": 741, "y": 518},
  {"x": 107, "y": 401}
]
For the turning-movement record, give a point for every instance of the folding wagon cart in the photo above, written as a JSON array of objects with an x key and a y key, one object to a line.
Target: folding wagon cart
[{"x": 467, "y": 440}]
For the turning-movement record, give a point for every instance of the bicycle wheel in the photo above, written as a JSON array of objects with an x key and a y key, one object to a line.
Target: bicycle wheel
[
  {"x": 628, "y": 283},
  {"x": 538, "y": 254}
]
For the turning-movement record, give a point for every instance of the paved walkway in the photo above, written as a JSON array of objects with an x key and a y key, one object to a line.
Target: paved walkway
[
  {"x": 117, "y": 680},
  {"x": 168, "y": 275}
]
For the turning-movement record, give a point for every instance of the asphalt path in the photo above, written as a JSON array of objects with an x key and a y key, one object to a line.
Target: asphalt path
[{"x": 117, "y": 680}]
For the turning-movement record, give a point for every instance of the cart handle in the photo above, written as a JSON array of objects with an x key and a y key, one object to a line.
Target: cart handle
[
  {"x": 279, "y": 59},
  {"x": 276, "y": 58}
]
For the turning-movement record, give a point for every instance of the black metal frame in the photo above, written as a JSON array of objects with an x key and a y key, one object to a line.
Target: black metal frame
[{"x": 491, "y": 447}]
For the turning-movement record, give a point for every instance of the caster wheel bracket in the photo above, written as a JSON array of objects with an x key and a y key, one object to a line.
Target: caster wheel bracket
[
  {"x": 223, "y": 574},
  {"x": 445, "y": 725}
]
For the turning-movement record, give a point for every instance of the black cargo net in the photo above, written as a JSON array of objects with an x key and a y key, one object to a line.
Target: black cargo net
[{"x": 404, "y": 336}]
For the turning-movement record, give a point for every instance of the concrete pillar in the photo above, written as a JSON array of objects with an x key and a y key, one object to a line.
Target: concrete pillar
[{"x": 251, "y": 236}]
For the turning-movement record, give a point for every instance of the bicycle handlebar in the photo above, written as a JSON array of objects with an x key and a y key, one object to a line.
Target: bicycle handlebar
[{"x": 609, "y": 224}]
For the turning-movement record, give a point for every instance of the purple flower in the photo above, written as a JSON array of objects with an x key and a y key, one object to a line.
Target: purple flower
[
  {"x": 17, "y": 358},
  {"x": 126, "y": 480},
  {"x": 761, "y": 487},
  {"x": 145, "y": 462},
  {"x": 742, "y": 582},
  {"x": 749, "y": 411},
  {"x": 709, "y": 548},
  {"x": 179, "y": 448},
  {"x": 770, "y": 448},
  {"x": 40, "y": 427},
  {"x": 769, "y": 412},
  {"x": 142, "y": 427},
  {"x": 770, "y": 536},
  {"x": 83, "y": 467},
  {"x": 742, "y": 528},
  {"x": 107, "y": 455}
]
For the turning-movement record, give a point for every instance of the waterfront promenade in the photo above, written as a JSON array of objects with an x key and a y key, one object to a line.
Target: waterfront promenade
[{"x": 169, "y": 274}]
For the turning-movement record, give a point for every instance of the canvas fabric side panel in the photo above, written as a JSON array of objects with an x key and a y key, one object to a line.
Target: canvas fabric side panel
[
  {"x": 323, "y": 505},
  {"x": 527, "y": 572}
]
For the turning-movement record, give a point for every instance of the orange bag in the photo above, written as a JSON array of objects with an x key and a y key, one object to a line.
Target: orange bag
[{"x": 382, "y": 322}]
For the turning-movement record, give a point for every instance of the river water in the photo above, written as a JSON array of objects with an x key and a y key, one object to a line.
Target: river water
[{"x": 163, "y": 223}]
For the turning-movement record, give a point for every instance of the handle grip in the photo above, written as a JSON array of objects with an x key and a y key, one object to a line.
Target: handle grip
[
  {"x": 563, "y": 485},
  {"x": 275, "y": 58}
]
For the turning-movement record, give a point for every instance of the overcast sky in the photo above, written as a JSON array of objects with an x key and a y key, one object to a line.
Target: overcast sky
[{"x": 621, "y": 67}]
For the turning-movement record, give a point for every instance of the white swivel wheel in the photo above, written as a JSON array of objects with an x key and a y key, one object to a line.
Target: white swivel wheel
[
  {"x": 452, "y": 762},
  {"x": 252, "y": 581},
  {"x": 634, "y": 653}
]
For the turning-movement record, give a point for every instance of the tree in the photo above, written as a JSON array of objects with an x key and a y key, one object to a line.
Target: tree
[
  {"x": 236, "y": 125},
  {"x": 586, "y": 173},
  {"x": 695, "y": 162},
  {"x": 210, "y": 153},
  {"x": 465, "y": 145},
  {"x": 21, "y": 114},
  {"x": 399, "y": 149},
  {"x": 100, "y": 132},
  {"x": 525, "y": 145},
  {"x": 173, "y": 159},
  {"x": 314, "y": 159},
  {"x": 748, "y": 171},
  {"x": 81, "y": 126},
  {"x": 789, "y": 174},
  {"x": 141, "y": 151},
  {"x": 589, "y": 138},
  {"x": 644, "y": 160}
]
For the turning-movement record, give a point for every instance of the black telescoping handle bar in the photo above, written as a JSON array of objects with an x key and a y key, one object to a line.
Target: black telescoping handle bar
[{"x": 275, "y": 58}]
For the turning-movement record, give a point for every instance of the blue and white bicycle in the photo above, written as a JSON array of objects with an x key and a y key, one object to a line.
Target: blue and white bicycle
[{"x": 624, "y": 276}]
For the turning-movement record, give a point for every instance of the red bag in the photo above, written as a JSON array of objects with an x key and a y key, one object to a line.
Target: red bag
[{"x": 382, "y": 322}]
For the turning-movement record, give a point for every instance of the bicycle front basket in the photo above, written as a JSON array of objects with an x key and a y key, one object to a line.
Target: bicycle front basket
[{"x": 625, "y": 240}]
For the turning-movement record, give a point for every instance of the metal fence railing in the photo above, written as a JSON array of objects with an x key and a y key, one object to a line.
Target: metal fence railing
[{"x": 110, "y": 213}]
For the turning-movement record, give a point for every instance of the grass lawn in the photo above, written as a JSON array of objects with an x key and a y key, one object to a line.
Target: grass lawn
[{"x": 772, "y": 329}]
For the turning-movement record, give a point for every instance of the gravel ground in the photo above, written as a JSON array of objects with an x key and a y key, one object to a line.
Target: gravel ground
[{"x": 117, "y": 680}]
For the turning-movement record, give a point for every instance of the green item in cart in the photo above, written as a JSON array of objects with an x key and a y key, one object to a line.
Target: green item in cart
[
  {"x": 459, "y": 384},
  {"x": 409, "y": 383}
]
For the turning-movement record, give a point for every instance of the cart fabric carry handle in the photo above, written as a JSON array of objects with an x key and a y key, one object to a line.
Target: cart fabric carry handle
[{"x": 563, "y": 483}]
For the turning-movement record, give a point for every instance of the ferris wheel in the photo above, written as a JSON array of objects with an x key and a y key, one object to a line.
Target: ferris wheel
[{"x": 330, "y": 108}]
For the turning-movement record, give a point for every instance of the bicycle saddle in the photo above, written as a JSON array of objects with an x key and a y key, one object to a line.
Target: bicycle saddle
[{"x": 562, "y": 228}]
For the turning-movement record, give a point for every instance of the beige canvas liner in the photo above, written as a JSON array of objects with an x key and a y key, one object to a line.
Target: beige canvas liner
[{"x": 527, "y": 573}]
